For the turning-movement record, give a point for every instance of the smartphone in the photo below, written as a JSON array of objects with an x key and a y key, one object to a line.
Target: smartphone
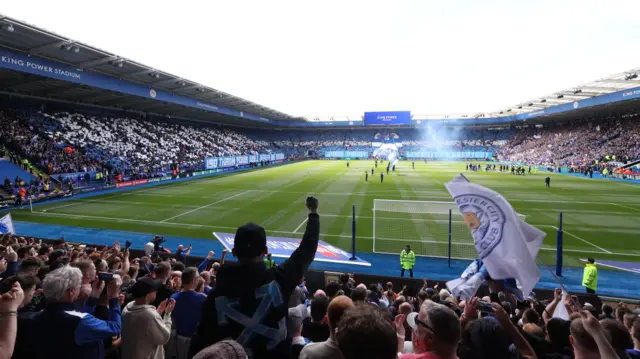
[
  {"x": 484, "y": 306},
  {"x": 105, "y": 276}
]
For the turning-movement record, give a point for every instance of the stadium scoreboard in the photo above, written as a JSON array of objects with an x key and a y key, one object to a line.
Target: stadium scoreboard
[{"x": 387, "y": 118}]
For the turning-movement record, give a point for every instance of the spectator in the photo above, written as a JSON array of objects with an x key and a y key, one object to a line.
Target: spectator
[
  {"x": 366, "y": 332},
  {"x": 9, "y": 304},
  {"x": 144, "y": 330},
  {"x": 347, "y": 288},
  {"x": 27, "y": 282},
  {"x": 329, "y": 348},
  {"x": 59, "y": 331},
  {"x": 315, "y": 327},
  {"x": 226, "y": 349},
  {"x": 436, "y": 332},
  {"x": 181, "y": 253},
  {"x": 295, "y": 318},
  {"x": 628, "y": 321},
  {"x": 162, "y": 271},
  {"x": 260, "y": 294},
  {"x": 534, "y": 330},
  {"x": 589, "y": 339},
  {"x": 530, "y": 316},
  {"x": 607, "y": 312},
  {"x": 635, "y": 352},
  {"x": 88, "y": 269},
  {"x": 359, "y": 295},
  {"x": 206, "y": 280},
  {"x": 619, "y": 336},
  {"x": 31, "y": 265},
  {"x": 187, "y": 312}
]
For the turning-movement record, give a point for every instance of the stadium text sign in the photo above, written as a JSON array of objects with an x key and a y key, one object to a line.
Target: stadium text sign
[
  {"x": 284, "y": 247},
  {"x": 387, "y": 118}
]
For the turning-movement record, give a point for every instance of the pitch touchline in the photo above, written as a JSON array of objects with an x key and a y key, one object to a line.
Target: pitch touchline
[
  {"x": 175, "y": 224},
  {"x": 301, "y": 224},
  {"x": 209, "y": 205},
  {"x": 583, "y": 240}
]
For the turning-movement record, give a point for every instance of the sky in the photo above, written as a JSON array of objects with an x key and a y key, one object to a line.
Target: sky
[{"x": 342, "y": 58}]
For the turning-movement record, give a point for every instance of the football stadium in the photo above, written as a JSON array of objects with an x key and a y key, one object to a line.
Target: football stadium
[{"x": 135, "y": 198}]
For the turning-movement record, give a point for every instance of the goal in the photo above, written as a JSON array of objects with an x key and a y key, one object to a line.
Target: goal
[{"x": 434, "y": 229}]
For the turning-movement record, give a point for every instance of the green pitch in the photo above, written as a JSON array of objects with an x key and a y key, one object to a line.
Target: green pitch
[{"x": 601, "y": 218}]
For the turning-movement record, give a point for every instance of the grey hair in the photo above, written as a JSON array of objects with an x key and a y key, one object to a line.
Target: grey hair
[
  {"x": 59, "y": 281},
  {"x": 444, "y": 322}
]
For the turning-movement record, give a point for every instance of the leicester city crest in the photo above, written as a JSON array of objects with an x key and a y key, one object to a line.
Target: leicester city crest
[
  {"x": 575, "y": 104},
  {"x": 3, "y": 228},
  {"x": 485, "y": 219},
  {"x": 152, "y": 93}
]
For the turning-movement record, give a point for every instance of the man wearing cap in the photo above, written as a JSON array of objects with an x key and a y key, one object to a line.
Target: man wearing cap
[
  {"x": 249, "y": 302},
  {"x": 144, "y": 330}
]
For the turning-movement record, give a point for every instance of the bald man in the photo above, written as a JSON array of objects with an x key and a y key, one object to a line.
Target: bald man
[{"x": 329, "y": 349}]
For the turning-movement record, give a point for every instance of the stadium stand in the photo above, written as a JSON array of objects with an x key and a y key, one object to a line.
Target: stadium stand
[{"x": 150, "y": 290}]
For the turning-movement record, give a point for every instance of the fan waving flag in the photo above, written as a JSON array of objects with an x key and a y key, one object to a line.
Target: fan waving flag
[
  {"x": 506, "y": 245},
  {"x": 6, "y": 225}
]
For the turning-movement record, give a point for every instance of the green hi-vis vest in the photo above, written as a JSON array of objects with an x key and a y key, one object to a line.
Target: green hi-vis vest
[
  {"x": 269, "y": 263},
  {"x": 407, "y": 260},
  {"x": 590, "y": 277}
]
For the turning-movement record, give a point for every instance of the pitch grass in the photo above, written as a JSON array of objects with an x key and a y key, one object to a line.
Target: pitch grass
[{"x": 601, "y": 217}]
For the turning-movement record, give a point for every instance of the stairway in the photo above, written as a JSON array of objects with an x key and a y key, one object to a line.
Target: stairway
[{"x": 11, "y": 170}]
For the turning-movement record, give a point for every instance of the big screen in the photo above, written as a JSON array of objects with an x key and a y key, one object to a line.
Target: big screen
[{"x": 387, "y": 118}]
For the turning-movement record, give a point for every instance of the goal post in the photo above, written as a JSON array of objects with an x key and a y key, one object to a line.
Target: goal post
[{"x": 433, "y": 229}]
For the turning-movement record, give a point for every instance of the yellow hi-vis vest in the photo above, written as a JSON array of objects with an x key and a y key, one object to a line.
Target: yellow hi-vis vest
[
  {"x": 590, "y": 277},
  {"x": 407, "y": 260},
  {"x": 269, "y": 263}
]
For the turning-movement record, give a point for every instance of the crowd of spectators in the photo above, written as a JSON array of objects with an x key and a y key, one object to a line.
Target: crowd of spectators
[
  {"x": 75, "y": 301},
  {"x": 576, "y": 143}
]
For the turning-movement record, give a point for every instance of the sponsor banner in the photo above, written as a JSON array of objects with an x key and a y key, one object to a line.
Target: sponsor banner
[
  {"x": 210, "y": 163},
  {"x": 86, "y": 189},
  {"x": 227, "y": 162},
  {"x": 132, "y": 183},
  {"x": 152, "y": 180},
  {"x": 346, "y": 154},
  {"x": 265, "y": 157},
  {"x": 387, "y": 118},
  {"x": 197, "y": 173},
  {"x": 284, "y": 247},
  {"x": 450, "y": 154},
  {"x": 254, "y": 158},
  {"x": 242, "y": 160}
]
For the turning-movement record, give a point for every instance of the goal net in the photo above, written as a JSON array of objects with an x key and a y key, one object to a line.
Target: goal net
[{"x": 434, "y": 229}]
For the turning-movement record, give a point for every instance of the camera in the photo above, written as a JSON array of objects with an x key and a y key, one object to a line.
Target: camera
[{"x": 105, "y": 276}]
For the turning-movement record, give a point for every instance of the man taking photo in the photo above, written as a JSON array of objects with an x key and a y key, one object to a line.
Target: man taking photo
[{"x": 249, "y": 302}]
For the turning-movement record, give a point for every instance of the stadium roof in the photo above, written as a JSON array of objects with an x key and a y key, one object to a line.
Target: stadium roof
[{"x": 25, "y": 38}]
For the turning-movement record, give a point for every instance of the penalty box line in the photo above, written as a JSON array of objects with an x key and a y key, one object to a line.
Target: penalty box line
[{"x": 176, "y": 224}]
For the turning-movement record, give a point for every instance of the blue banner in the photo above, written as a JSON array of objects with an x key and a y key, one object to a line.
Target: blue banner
[
  {"x": 210, "y": 163},
  {"x": 284, "y": 247},
  {"x": 450, "y": 154},
  {"x": 242, "y": 160},
  {"x": 227, "y": 162},
  {"x": 387, "y": 118},
  {"x": 346, "y": 154}
]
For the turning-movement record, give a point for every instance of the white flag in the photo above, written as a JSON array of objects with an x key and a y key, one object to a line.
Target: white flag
[
  {"x": 6, "y": 225},
  {"x": 507, "y": 246}
]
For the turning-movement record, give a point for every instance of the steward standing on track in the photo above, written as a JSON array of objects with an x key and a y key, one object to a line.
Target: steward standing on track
[
  {"x": 270, "y": 263},
  {"x": 407, "y": 261},
  {"x": 590, "y": 276}
]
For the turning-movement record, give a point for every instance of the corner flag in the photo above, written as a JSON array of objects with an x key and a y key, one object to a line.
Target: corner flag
[
  {"x": 6, "y": 225},
  {"x": 506, "y": 245}
]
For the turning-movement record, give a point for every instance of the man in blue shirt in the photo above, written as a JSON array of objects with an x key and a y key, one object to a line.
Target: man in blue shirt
[
  {"x": 61, "y": 332},
  {"x": 187, "y": 312}
]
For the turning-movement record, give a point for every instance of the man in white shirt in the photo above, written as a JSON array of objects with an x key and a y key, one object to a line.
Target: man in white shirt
[{"x": 329, "y": 349}]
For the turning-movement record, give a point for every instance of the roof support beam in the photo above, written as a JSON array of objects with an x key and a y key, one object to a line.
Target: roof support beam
[
  {"x": 98, "y": 62},
  {"x": 39, "y": 49},
  {"x": 612, "y": 81}
]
